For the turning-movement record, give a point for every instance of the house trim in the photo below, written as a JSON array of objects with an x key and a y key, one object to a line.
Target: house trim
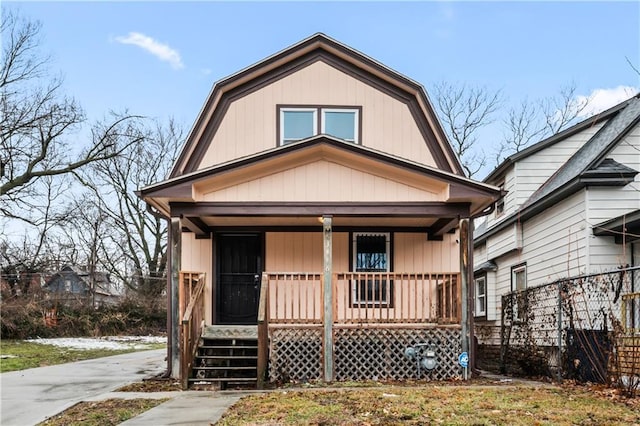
[{"x": 285, "y": 209}]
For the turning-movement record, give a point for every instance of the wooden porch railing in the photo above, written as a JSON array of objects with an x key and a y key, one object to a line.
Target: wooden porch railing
[
  {"x": 191, "y": 295},
  {"x": 396, "y": 297},
  {"x": 294, "y": 298},
  {"x": 263, "y": 332},
  {"x": 297, "y": 298}
]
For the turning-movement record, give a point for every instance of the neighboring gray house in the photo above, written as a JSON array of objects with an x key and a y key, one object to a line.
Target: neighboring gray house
[
  {"x": 572, "y": 207},
  {"x": 72, "y": 284}
]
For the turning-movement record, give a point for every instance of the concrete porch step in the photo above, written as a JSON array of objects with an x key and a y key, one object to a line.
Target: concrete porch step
[{"x": 237, "y": 332}]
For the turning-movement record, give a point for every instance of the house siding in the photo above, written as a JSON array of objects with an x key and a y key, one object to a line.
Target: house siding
[
  {"x": 303, "y": 252},
  {"x": 250, "y": 123},
  {"x": 323, "y": 181},
  {"x": 197, "y": 256},
  {"x": 413, "y": 253},
  {"x": 553, "y": 242},
  {"x": 606, "y": 203},
  {"x": 535, "y": 170}
]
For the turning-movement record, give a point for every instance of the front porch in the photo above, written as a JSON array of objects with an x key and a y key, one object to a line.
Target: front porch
[{"x": 356, "y": 327}]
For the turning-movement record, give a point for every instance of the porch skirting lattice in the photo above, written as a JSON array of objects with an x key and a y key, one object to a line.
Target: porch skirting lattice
[
  {"x": 295, "y": 354},
  {"x": 370, "y": 353}
]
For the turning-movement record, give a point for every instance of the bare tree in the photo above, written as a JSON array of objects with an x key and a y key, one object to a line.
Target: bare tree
[
  {"x": 531, "y": 122},
  {"x": 38, "y": 122},
  {"x": 131, "y": 242},
  {"x": 464, "y": 110}
]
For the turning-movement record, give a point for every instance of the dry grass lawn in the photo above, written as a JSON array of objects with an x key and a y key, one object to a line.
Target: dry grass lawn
[{"x": 450, "y": 405}]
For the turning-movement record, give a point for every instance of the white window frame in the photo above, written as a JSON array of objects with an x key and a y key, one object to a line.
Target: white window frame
[
  {"x": 301, "y": 109},
  {"x": 356, "y": 121},
  {"x": 483, "y": 305},
  {"x": 355, "y": 300},
  {"x": 515, "y": 270},
  {"x": 318, "y": 121}
]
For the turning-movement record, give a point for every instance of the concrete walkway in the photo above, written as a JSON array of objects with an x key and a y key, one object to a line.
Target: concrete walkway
[{"x": 30, "y": 396}]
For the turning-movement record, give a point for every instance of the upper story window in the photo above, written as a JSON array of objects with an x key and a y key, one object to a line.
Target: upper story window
[{"x": 296, "y": 123}]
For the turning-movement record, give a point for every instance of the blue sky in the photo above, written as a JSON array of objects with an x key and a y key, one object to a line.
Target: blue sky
[{"x": 161, "y": 58}]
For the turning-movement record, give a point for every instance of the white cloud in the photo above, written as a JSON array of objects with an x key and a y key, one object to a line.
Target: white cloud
[
  {"x": 160, "y": 50},
  {"x": 602, "y": 99}
]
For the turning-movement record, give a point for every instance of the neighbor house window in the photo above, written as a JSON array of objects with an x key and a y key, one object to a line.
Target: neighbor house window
[
  {"x": 371, "y": 256},
  {"x": 297, "y": 123},
  {"x": 481, "y": 296},
  {"x": 518, "y": 284}
]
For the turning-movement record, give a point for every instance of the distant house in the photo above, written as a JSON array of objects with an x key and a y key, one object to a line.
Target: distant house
[
  {"x": 572, "y": 207},
  {"x": 72, "y": 284}
]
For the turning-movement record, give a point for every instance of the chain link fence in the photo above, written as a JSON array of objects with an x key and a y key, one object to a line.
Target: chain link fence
[{"x": 585, "y": 328}]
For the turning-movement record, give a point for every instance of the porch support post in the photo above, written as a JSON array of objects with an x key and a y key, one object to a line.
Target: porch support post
[
  {"x": 176, "y": 323},
  {"x": 328, "y": 299},
  {"x": 464, "y": 285}
]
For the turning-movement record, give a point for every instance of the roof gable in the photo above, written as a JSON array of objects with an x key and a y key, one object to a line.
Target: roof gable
[
  {"x": 191, "y": 186},
  {"x": 558, "y": 137},
  {"x": 316, "y": 48},
  {"x": 593, "y": 153}
]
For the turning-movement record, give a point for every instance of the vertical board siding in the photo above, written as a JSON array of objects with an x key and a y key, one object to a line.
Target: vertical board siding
[
  {"x": 323, "y": 181},
  {"x": 249, "y": 125},
  {"x": 303, "y": 251},
  {"x": 197, "y": 256},
  {"x": 412, "y": 252}
]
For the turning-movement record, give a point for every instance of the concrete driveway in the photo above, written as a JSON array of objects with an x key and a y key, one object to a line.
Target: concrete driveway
[{"x": 30, "y": 396}]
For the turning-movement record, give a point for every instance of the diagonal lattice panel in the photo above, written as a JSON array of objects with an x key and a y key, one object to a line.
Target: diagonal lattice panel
[
  {"x": 295, "y": 354},
  {"x": 378, "y": 353}
]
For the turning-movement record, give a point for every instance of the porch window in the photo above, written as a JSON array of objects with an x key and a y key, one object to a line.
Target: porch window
[
  {"x": 518, "y": 285},
  {"x": 297, "y": 123},
  {"x": 371, "y": 254},
  {"x": 481, "y": 296}
]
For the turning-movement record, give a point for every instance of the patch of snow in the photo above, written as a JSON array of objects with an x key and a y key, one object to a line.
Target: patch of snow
[{"x": 108, "y": 342}]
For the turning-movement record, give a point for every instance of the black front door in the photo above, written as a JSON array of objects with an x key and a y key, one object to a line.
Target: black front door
[{"x": 239, "y": 260}]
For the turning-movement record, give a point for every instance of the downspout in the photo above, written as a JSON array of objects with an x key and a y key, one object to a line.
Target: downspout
[
  {"x": 167, "y": 373},
  {"x": 472, "y": 288}
]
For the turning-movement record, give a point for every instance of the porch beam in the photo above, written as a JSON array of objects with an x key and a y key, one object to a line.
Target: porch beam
[
  {"x": 327, "y": 292},
  {"x": 466, "y": 250},
  {"x": 379, "y": 209},
  {"x": 197, "y": 226},
  {"x": 442, "y": 226}
]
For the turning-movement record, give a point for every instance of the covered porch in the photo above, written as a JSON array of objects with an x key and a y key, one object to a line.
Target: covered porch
[{"x": 359, "y": 298}]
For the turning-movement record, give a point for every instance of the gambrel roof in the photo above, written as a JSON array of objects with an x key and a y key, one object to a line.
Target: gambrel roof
[{"x": 318, "y": 47}]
